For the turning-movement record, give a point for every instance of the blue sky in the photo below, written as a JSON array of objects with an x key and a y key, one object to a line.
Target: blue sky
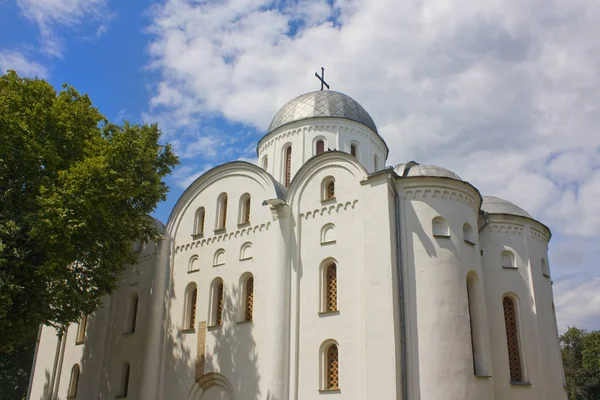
[{"x": 506, "y": 94}]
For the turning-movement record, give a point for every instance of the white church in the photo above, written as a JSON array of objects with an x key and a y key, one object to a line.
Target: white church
[{"x": 322, "y": 274}]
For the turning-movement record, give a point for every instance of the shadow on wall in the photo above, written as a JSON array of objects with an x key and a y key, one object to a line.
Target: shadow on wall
[{"x": 234, "y": 355}]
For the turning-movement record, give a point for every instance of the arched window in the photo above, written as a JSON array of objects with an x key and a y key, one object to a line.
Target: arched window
[
  {"x": 244, "y": 217},
  {"x": 545, "y": 269},
  {"x": 219, "y": 258},
  {"x": 199, "y": 221},
  {"x": 132, "y": 313},
  {"x": 217, "y": 302},
  {"x": 248, "y": 295},
  {"x": 353, "y": 150},
  {"x": 512, "y": 339},
  {"x": 288, "y": 165},
  {"x": 189, "y": 312},
  {"x": 330, "y": 288},
  {"x": 265, "y": 162},
  {"x": 474, "y": 300},
  {"x": 320, "y": 146},
  {"x": 246, "y": 251},
  {"x": 328, "y": 234},
  {"x": 222, "y": 211},
  {"x": 124, "y": 380},
  {"x": 194, "y": 264},
  {"x": 468, "y": 234},
  {"x": 440, "y": 227},
  {"x": 73, "y": 382},
  {"x": 328, "y": 189},
  {"x": 80, "y": 337},
  {"x": 331, "y": 367},
  {"x": 375, "y": 163},
  {"x": 508, "y": 259}
]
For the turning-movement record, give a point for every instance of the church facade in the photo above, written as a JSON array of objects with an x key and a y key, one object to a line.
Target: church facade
[{"x": 322, "y": 273}]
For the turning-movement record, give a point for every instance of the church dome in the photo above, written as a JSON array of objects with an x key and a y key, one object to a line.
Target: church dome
[
  {"x": 496, "y": 205},
  {"x": 322, "y": 103},
  {"x": 425, "y": 170}
]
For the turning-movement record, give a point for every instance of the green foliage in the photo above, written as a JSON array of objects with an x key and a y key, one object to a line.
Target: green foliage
[
  {"x": 581, "y": 359},
  {"x": 74, "y": 194}
]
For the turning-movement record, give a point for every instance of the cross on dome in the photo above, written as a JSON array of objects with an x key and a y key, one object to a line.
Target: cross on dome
[{"x": 322, "y": 78}]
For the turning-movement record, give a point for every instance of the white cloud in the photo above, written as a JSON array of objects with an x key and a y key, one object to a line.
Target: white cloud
[
  {"x": 24, "y": 66},
  {"x": 50, "y": 15},
  {"x": 505, "y": 93}
]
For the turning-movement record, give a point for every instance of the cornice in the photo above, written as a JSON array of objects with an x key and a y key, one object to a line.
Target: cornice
[
  {"x": 421, "y": 192},
  {"x": 506, "y": 228},
  {"x": 223, "y": 237},
  {"x": 330, "y": 209}
]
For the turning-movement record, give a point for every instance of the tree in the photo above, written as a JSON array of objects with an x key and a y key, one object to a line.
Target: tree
[
  {"x": 581, "y": 359},
  {"x": 75, "y": 191}
]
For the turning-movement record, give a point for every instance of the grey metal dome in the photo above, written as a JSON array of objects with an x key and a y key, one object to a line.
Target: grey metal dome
[
  {"x": 322, "y": 103},
  {"x": 496, "y": 205}
]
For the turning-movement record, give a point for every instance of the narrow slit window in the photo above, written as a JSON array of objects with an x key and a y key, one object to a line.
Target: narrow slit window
[
  {"x": 199, "y": 221},
  {"x": 244, "y": 209},
  {"x": 265, "y": 162},
  {"x": 222, "y": 211},
  {"x": 331, "y": 288},
  {"x": 81, "y": 327},
  {"x": 133, "y": 307},
  {"x": 190, "y": 307},
  {"x": 217, "y": 303},
  {"x": 73, "y": 382},
  {"x": 475, "y": 324},
  {"x": 124, "y": 380},
  {"x": 512, "y": 340},
  {"x": 288, "y": 165},
  {"x": 320, "y": 146},
  {"x": 353, "y": 150},
  {"x": 249, "y": 302},
  {"x": 332, "y": 382}
]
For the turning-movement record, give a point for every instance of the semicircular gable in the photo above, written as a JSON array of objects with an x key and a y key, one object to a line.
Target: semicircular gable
[
  {"x": 331, "y": 160},
  {"x": 235, "y": 168}
]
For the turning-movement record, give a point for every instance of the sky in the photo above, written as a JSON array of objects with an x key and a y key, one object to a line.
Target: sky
[{"x": 505, "y": 93}]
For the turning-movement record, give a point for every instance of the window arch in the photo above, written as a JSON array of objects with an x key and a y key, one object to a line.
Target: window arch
[
  {"x": 476, "y": 321},
  {"x": 244, "y": 217},
  {"x": 217, "y": 302},
  {"x": 508, "y": 259},
  {"x": 512, "y": 339},
  {"x": 288, "y": 165},
  {"x": 545, "y": 269},
  {"x": 124, "y": 380},
  {"x": 468, "y": 234},
  {"x": 81, "y": 326},
  {"x": 247, "y": 296},
  {"x": 73, "y": 382},
  {"x": 132, "y": 313},
  {"x": 440, "y": 227},
  {"x": 194, "y": 264},
  {"x": 219, "y": 258},
  {"x": 265, "y": 162},
  {"x": 246, "y": 251},
  {"x": 328, "y": 188},
  {"x": 189, "y": 311},
  {"x": 328, "y": 234},
  {"x": 199, "y": 221},
  {"x": 221, "y": 211},
  {"x": 330, "y": 366},
  {"x": 354, "y": 150}
]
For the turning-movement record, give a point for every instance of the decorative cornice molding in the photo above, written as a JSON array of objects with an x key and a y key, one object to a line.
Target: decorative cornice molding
[
  {"x": 539, "y": 235},
  {"x": 445, "y": 193},
  {"x": 223, "y": 237},
  {"x": 506, "y": 227},
  {"x": 333, "y": 208}
]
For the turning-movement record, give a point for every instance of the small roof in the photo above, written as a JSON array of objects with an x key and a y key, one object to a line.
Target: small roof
[
  {"x": 496, "y": 205},
  {"x": 322, "y": 103}
]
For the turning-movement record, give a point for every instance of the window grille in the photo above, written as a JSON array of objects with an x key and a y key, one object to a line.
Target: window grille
[
  {"x": 247, "y": 210},
  {"x": 332, "y": 368},
  {"x": 288, "y": 166},
  {"x": 249, "y": 298},
  {"x": 330, "y": 190},
  {"x": 219, "y": 305},
  {"x": 331, "y": 289},
  {"x": 193, "y": 299},
  {"x": 512, "y": 339}
]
